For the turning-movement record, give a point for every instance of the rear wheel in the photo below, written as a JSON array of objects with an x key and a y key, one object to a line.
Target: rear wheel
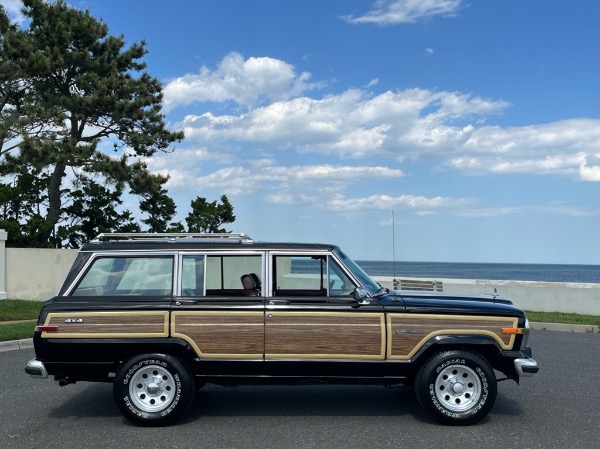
[
  {"x": 153, "y": 390},
  {"x": 456, "y": 387}
]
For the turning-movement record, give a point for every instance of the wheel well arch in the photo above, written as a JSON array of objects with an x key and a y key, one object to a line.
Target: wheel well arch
[{"x": 484, "y": 345}]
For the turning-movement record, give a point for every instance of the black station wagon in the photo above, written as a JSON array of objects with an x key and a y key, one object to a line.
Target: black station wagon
[{"x": 160, "y": 315}]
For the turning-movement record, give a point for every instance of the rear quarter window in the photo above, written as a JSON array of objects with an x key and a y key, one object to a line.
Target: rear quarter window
[{"x": 125, "y": 276}]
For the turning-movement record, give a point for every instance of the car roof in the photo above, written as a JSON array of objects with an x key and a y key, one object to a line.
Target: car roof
[{"x": 190, "y": 242}]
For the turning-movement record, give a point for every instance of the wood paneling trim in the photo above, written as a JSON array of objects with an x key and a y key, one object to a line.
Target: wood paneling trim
[
  {"x": 218, "y": 335},
  {"x": 407, "y": 333},
  {"x": 324, "y": 335},
  {"x": 108, "y": 324}
]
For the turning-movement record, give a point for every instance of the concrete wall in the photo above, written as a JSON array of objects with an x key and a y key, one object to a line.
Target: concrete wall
[
  {"x": 37, "y": 274},
  {"x": 529, "y": 295}
]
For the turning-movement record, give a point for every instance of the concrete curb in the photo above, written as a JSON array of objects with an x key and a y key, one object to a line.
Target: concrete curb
[
  {"x": 16, "y": 344},
  {"x": 576, "y": 328}
]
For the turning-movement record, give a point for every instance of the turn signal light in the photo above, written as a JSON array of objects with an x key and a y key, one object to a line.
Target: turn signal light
[{"x": 512, "y": 330}]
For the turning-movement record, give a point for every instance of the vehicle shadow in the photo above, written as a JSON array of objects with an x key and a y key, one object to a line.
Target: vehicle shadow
[
  {"x": 303, "y": 400},
  {"x": 91, "y": 400},
  {"x": 96, "y": 400},
  {"x": 507, "y": 406}
]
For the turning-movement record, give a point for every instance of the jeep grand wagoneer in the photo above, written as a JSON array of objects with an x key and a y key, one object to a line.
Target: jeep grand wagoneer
[{"x": 160, "y": 315}]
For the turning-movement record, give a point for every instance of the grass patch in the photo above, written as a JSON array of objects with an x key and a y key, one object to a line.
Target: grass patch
[
  {"x": 18, "y": 309},
  {"x": 17, "y": 331},
  {"x": 563, "y": 318}
]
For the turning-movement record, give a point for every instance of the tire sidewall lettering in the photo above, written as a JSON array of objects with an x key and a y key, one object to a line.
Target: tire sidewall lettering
[
  {"x": 182, "y": 391},
  {"x": 142, "y": 364},
  {"x": 428, "y": 379}
]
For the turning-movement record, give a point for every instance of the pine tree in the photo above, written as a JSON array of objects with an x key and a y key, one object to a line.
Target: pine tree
[{"x": 70, "y": 86}]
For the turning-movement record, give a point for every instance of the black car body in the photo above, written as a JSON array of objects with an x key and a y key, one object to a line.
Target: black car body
[{"x": 161, "y": 315}]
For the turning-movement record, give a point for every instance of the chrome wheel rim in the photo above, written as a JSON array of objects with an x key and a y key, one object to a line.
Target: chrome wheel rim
[
  {"x": 152, "y": 389},
  {"x": 458, "y": 388}
]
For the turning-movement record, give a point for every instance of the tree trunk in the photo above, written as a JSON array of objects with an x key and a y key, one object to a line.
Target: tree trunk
[{"x": 54, "y": 201}]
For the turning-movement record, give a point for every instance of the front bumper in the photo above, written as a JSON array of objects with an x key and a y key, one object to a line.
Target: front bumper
[
  {"x": 526, "y": 367},
  {"x": 36, "y": 369}
]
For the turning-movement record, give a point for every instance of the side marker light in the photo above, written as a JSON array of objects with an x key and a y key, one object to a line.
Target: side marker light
[{"x": 512, "y": 330}]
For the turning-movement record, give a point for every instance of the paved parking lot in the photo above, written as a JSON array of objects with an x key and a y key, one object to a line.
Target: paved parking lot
[{"x": 558, "y": 408}]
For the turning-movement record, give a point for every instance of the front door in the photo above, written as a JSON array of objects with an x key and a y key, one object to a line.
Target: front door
[{"x": 314, "y": 326}]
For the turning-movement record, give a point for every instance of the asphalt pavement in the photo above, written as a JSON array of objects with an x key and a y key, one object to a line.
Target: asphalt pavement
[{"x": 557, "y": 408}]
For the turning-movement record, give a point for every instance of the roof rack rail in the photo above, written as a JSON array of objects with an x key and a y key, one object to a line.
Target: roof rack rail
[{"x": 146, "y": 236}]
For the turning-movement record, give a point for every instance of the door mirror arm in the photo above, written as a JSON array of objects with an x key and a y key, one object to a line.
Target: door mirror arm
[{"x": 361, "y": 295}]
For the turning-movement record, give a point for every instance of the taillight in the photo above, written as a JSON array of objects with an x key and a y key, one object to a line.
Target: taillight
[{"x": 46, "y": 328}]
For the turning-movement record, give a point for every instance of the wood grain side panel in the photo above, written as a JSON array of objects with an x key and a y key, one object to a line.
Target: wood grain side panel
[
  {"x": 408, "y": 333},
  {"x": 108, "y": 324},
  {"x": 324, "y": 335},
  {"x": 221, "y": 334}
]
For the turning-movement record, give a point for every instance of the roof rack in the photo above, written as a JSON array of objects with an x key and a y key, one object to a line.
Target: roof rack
[{"x": 147, "y": 236}]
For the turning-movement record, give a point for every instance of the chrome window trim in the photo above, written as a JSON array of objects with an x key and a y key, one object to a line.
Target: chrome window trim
[
  {"x": 328, "y": 253},
  {"x": 213, "y": 253}
]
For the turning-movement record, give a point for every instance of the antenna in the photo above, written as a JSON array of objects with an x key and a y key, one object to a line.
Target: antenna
[{"x": 394, "y": 243}]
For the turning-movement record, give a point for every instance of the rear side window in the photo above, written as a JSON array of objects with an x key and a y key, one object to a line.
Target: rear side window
[
  {"x": 223, "y": 273},
  {"x": 125, "y": 276}
]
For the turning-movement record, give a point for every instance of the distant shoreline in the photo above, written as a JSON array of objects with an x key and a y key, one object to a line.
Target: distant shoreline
[{"x": 492, "y": 271}]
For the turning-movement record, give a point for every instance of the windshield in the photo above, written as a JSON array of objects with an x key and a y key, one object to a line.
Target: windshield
[{"x": 373, "y": 287}]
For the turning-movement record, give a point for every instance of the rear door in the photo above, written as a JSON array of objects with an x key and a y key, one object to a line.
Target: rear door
[{"x": 214, "y": 314}]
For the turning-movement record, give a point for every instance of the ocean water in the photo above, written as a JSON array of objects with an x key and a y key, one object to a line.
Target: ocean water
[{"x": 495, "y": 271}]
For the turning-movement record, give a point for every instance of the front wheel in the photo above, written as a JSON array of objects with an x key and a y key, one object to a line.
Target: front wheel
[
  {"x": 456, "y": 387},
  {"x": 153, "y": 390}
]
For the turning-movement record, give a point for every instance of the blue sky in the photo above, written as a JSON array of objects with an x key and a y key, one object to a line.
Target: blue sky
[{"x": 476, "y": 122}]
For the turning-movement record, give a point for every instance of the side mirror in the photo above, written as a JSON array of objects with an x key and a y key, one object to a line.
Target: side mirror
[{"x": 362, "y": 296}]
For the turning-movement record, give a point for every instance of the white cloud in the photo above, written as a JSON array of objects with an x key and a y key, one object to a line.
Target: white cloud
[
  {"x": 558, "y": 148},
  {"x": 290, "y": 183},
  {"x": 417, "y": 203},
  {"x": 353, "y": 123},
  {"x": 13, "y": 8},
  {"x": 590, "y": 173},
  {"x": 390, "y": 12},
  {"x": 414, "y": 123},
  {"x": 243, "y": 81}
]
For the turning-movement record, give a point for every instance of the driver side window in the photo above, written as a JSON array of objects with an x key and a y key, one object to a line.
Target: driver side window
[{"x": 309, "y": 275}]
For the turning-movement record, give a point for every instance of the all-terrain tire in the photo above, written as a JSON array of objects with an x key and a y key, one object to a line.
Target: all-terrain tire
[
  {"x": 153, "y": 389},
  {"x": 456, "y": 387}
]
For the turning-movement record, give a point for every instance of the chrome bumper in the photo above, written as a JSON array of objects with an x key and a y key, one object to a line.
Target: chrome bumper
[
  {"x": 36, "y": 369},
  {"x": 526, "y": 367}
]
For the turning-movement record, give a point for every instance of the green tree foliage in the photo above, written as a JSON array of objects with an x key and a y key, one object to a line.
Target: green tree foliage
[
  {"x": 93, "y": 210},
  {"x": 79, "y": 85},
  {"x": 155, "y": 202},
  {"x": 68, "y": 92},
  {"x": 209, "y": 217}
]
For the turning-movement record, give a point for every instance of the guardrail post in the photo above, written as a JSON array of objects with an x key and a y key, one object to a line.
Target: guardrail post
[{"x": 3, "y": 238}]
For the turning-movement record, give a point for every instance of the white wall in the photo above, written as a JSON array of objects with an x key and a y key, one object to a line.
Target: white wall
[
  {"x": 529, "y": 295},
  {"x": 37, "y": 274}
]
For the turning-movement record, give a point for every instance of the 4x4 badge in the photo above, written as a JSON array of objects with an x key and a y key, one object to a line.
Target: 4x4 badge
[{"x": 74, "y": 320}]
